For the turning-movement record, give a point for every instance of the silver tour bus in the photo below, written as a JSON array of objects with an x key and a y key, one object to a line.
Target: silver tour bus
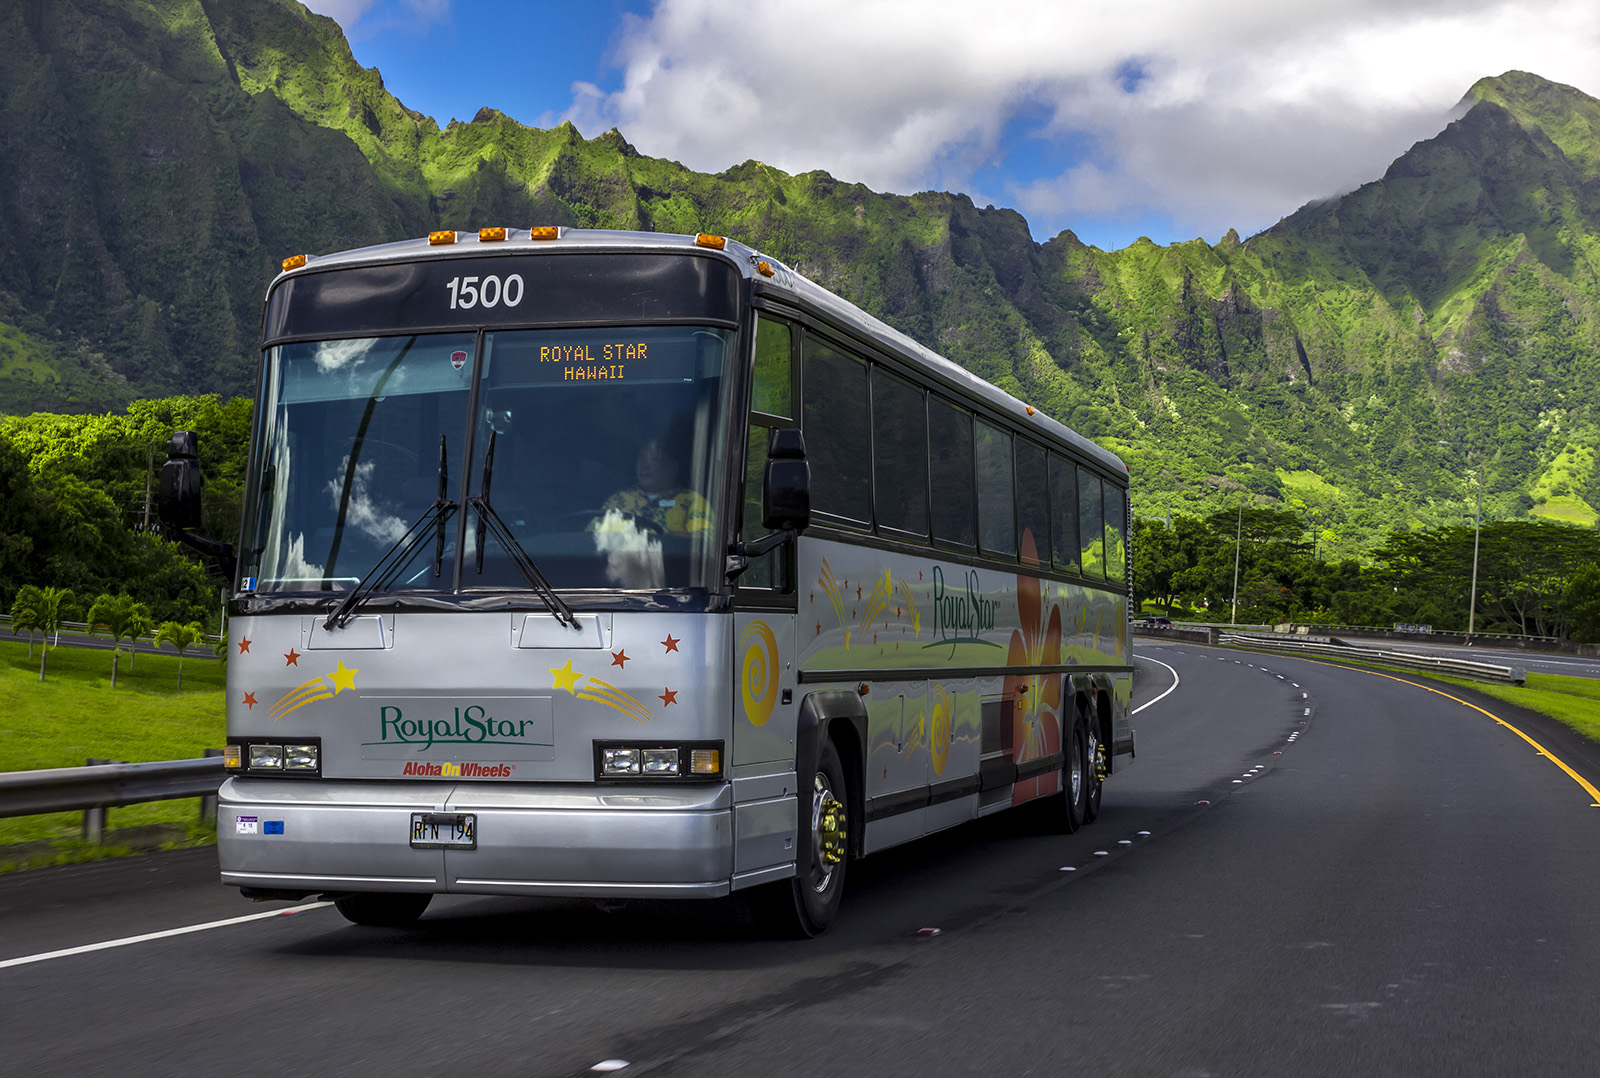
[{"x": 623, "y": 565}]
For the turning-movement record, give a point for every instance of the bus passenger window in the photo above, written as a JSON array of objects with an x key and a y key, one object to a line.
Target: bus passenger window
[
  {"x": 1116, "y": 538},
  {"x": 1090, "y": 512},
  {"x": 997, "y": 517},
  {"x": 950, "y": 439},
  {"x": 1064, "y": 507},
  {"x": 1033, "y": 505},
  {"x": 769, "y": 391},
  {"x": 837, "y": 429},
  {"x": 900, "y": 455}
]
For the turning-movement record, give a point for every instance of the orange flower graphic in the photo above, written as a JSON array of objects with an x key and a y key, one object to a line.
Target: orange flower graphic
[{"x": 1035, "y": 698}]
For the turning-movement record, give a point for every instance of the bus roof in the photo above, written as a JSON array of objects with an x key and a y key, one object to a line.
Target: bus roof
[{"x": 783, "y": 278}]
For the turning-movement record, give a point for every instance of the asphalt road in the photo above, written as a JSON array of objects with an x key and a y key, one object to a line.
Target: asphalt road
[
  {"x": 1370, "y": 878},
  {"x": 1533, "y": 661}
]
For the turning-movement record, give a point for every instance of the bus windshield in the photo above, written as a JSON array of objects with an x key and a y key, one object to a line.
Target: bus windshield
[{"x": 603, "y": 450}]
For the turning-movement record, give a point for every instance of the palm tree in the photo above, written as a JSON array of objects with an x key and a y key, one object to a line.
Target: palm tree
[
  {"x": 51, "y": 614},
  {"x": 180, "y": 637},
  {"x": 26, "y": 612},
  {"x": 120, "y": 616}
]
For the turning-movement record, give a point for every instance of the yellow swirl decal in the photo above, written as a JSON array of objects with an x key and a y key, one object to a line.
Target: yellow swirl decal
[
  {"x": 939, "y": 735},
  {"x": 759, "y": 682}
]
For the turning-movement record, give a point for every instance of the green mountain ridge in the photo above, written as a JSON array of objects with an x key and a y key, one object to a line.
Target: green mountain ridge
[{"x": 1366, "y": 360}]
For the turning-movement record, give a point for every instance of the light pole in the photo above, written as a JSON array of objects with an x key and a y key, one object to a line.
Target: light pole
[
  {"x": 1477, "y": 527},
  {"x": 1238, "y": 539}
]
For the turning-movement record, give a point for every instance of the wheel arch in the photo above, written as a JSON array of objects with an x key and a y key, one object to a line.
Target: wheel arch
[{"x": 836, "y": 714}]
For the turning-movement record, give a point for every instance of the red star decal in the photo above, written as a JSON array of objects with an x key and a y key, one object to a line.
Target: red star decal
[
  {"x": 620, "y": 658},
  {"x": 669, "y": 643},
  {"x": 292, "y": 659},
  {"x": 919, "y": 576},
  {"x": 819, "y": 628},
  {"x": 886, "y": 772},
  {"x": 244, "y": 646},
  {"x": 858, "y": 593},
  {"x": 812, "y": 596},
  {"x": 249, "y": 700},
  {"x": 668, "y": 697}
]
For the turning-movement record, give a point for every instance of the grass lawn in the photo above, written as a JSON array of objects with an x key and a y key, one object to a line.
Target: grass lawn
[{"x": 74, "y": 714}]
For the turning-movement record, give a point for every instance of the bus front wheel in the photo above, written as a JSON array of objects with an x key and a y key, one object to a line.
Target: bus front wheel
[
  {"x": 804, "y": 906},
  {"x": 383, "y": 910}
]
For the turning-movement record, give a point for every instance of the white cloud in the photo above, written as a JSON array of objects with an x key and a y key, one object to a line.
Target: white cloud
[
  {"x": 352, "y": 15},
  {"x": 1238, "y": 113}
]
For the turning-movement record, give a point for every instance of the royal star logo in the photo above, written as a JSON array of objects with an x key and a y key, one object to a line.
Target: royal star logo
[{"x": 318, "y": 688}]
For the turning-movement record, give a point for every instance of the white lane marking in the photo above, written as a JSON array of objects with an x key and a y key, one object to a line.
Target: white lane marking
[
  {"x": 607, "y": 1065},
  {"x": 1308, "y": 711},
  {"x": 67, "y": 952},
  {"x": 1164, "y": 695}
]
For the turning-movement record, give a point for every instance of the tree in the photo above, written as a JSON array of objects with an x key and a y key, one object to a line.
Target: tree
[
  {"x": 120, "y": 616},
  {"x": 52, "y": 611},
  {"x": 1583, "y": 602},
  {"x": 180, "y": 637},
  {"x": 27, "y": 612}
]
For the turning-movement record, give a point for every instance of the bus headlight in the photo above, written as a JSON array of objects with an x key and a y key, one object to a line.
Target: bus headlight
[
  {"x": 619, "y": 761},
  {"x": 652, "y": 761},
  {"x": 266, "y": 757},
  {"x": 301, "y": 757}
]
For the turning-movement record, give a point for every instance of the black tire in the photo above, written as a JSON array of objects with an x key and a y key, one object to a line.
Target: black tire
[
  {"x": 804, "y": 906},
  {"x": 395, "y": 910},
  {"x": 1065, "y": 811},
  {"x": 1096, "y": 773}
]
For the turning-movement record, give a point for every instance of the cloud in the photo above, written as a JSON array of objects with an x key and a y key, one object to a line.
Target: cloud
[
  {"x": 1212, "y": 113},
  {"x": 352, "y": 15}
]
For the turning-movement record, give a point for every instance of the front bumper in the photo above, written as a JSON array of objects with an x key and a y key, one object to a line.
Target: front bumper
[{"x": 570, "y": 840}]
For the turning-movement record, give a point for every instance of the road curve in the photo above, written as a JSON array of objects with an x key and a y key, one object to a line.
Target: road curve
[{"x": 1310, "y": 870}]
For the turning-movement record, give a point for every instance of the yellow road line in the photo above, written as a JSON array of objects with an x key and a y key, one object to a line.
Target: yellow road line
[{"x": 1579, "y": 779}]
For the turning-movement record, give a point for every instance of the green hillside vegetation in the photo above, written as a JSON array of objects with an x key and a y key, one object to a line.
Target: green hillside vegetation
[
  {"x": 75, "y": 715},
  {"x": 159, "y": 157}
]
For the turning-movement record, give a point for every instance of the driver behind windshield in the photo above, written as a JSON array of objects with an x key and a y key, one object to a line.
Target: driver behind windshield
[{"x": 658, "y": 501}]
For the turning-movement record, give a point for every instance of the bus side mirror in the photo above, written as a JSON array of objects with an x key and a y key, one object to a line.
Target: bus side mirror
[
  {"x": 786, "y": 492},
  {"x": 179, "y": 505}
]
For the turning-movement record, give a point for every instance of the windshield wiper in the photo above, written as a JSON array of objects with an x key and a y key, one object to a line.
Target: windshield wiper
[
  {"x": 489, "y": 520},
  {"x": 383, "y": 573}
]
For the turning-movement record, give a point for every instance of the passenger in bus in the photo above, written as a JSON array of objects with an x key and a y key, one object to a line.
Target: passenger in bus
[{"x": 658, "y": 501}]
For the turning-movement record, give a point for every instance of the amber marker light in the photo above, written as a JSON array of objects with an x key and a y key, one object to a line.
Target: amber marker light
[
  {"x": 705, "y": 239},
  {"x": 490, "y": 235},
  {"x": 1030, "y": 408},
  {"x": 293, "y": 262},
  {"x": 544, "y": 232},
  {"x": 439, "y": 238},
  {"x": 764, "y": 268}
]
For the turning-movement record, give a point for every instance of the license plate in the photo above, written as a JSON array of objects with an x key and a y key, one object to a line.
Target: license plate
[{"x": 444, "y": 830}]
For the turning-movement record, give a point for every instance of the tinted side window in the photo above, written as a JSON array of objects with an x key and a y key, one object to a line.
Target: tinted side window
[
  {"x": 950, "y": 439},
  {"x": 1116, "y": 535},
  {"x": 997, "y": 519},
  {"x": 1033, "y": 503},
  {"x": 769, "y": 391},
  {"x": 837, "y": 428},
  {"x": 900, "y": 454},
  {"x": 1064, "y": 512},
  {"x": 1089, "y": 520}
]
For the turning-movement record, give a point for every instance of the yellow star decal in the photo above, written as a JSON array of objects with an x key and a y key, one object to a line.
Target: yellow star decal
[
  {"x": 566, "y": 677},
  {"x": 343, "y": 678}
]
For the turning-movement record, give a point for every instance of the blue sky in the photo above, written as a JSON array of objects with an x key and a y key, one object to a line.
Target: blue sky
[{"x": 1170, "y": 119}]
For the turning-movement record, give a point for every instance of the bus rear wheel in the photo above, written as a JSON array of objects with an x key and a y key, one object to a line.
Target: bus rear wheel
[
  {"x": 383, "y": 910},
  {"x": 805, "y": 906},
  {"x": 1096, "y": 773},
  {"x": 1068, "y": 810}
]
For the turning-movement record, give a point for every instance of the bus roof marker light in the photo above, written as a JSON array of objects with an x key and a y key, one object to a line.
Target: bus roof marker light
[
  {"x": 544, "y": 232},
  {"x": 491, "y": 235},
  {"x": 765, "y": 269},
  {"x": 705, "y": 239},
  {"x": 437, "y": 239},
  {"x": 293, "y": 262}
]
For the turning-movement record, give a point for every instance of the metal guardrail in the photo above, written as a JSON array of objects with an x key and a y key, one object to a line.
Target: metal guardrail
[
  {"x": 1406, "y": 660},
  {"x": 101, "y": 785}
]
